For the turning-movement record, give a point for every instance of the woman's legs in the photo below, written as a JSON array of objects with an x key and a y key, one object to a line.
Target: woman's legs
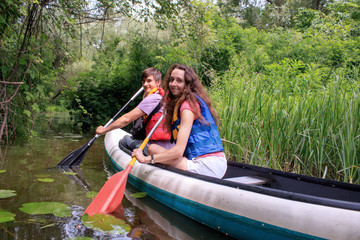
[{"x": 180, "y": 163}]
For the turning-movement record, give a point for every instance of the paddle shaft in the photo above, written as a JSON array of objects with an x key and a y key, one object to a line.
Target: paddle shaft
[
  {"x": 75, "y": 158},
  {"x": 146, "y": 140},
  {"x": 112, "y": 193},
  {"x": 116, "y": 115}
]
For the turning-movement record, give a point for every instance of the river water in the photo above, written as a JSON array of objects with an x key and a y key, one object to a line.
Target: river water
[{"x": 22, "y": 166}]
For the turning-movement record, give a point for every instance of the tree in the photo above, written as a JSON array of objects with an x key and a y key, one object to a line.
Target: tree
[
  {"x": 35, "y": 39},
  {"x": 266, "y": 14}
]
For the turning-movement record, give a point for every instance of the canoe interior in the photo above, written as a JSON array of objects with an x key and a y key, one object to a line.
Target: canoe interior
[
  {"x": 286, "y": 185},
  {"x": 283, "y": 184}
]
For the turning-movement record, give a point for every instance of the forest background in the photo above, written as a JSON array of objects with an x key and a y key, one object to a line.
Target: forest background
[{"x": 283, "y": 74}]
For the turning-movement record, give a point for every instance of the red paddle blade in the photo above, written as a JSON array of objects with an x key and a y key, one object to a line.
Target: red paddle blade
[{"x": 110, "y": 195}]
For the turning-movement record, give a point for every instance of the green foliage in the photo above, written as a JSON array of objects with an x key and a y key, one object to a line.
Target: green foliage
[
  {"x": 70, "y": 173},
  {"x": 29, "y": 53},
  {"x": 269, "y": 14},
  {"x": 115, "y": 77},
  {"x": 45, "y": 179},
  {"x": 292, "y": 95},
  {"x": 6, "y": 216},
  {"x": 305, "y": 18},
  {"x": 7, "y": 193},
  {"x": 287, "y": 118},
  {"x": 58, "y": 209},
  {"x": 9, "y": 13},
  {"x": 91, "y": 194},
  {"x": 81, "y": 238},
  {"x": 106, "y": 223},
  {"x": 138, "y": 195},
  {"x": 277, "y": 71}
]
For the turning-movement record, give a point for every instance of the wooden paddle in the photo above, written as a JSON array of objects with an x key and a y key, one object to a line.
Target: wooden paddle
[
  {"x": 74, "y": 159},
  {"x": 112, "y": 193}
]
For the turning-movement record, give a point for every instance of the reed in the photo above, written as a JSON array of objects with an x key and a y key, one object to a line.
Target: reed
[{"x": 291, "y": 122}]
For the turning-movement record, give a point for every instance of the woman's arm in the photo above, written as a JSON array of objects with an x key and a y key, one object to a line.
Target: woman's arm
[
  {"x": 122, "y": 121},
  {"x": 174, "y": 154}
]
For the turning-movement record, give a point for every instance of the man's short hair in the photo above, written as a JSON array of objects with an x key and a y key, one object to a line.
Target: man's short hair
[{"x": 152, "y": 71}]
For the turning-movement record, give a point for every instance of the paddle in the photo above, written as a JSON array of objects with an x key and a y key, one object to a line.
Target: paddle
[
  {"x": 112, "y": 193},
  {"x": 74, "y": 159}
]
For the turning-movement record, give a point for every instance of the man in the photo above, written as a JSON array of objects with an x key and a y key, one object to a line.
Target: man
[{"x": 153, "y": 93}]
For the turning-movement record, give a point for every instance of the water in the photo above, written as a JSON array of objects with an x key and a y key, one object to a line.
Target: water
[{"x": 25, "y": 164}]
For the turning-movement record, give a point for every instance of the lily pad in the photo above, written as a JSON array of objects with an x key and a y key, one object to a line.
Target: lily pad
[
  {"x": 138, "y": 195},
  {"x": 81, "y": 238},
  {"x": 6, "y": 216},
  {"x": 58, "y": 209},
  {"x": 45, "y": 179},
  {"x": 7, "y": 193},
  {"x": 70, "y": 173},
  {"x": 106, "y": 223},
  {"x": 2, "y": 171},
  {"x": 42, "y": 175},
  {"x": 91, "y": 194}
]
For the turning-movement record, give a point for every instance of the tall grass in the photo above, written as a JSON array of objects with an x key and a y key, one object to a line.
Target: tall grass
[{"x": 292, "y": 122}]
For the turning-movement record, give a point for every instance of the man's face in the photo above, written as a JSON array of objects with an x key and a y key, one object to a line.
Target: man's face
[{"x": 149, "y": 83}]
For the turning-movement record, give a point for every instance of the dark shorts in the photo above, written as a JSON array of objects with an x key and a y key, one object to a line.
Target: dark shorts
[{"x": 130, "y": 144}]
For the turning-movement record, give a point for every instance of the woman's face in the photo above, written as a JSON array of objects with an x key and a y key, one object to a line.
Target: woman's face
[
  {"x": 149, "y": 83},
  {"x": 177, "y": 82}
]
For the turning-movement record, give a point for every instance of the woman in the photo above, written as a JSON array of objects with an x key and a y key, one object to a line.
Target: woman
[{"x": 191, "y": 120}]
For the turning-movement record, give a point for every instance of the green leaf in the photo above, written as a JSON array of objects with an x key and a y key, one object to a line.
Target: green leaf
[
  {"x": 2, "y": 20},
  {"x": 42, "y": 175},
  {"x": 6, "y": 216},
  {"x": 91, "y": 194},
  {"x": 45, "y": 179},
  {"x": 80, "y": 238},
  {"x": 49, "y": 225},
  {"x": 70, "y": 173},
  {"x": 7, "y": 193},
  {"x": 2, "y": 171},
  {"x": 62, "y": 212},
  {"x": 138, "y": 195},
  {"x": 35, "y": 107},
  {"x": 27, "y": 113},
  {"x": 106, "y": 223},
  {"x": 58, "y": 209},
  {"x": 32, "y": 74}
]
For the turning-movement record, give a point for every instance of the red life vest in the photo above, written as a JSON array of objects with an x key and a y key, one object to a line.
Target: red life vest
[{"x": 160, "y": 133}]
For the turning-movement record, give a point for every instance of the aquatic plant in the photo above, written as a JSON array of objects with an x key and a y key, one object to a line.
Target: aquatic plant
[
  {"x": 56, "y": 208},
  {"x": 291, "y": 120}
]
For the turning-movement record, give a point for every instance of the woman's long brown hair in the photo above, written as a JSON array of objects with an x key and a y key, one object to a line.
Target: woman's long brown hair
[{"x": 192, "y": 86}]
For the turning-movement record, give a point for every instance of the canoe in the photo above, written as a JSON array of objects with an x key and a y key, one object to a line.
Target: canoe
[{"x": 250, "y": 202}]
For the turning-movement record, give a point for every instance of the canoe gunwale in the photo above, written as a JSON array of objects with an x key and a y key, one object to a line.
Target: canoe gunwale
[
  {"x": 248, "y": 204},
  {"x": 275, "y": 192},
  {"x": 268, "y": 191}
]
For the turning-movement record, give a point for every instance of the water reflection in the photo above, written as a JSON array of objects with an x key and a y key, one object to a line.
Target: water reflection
[
  {"x": 166, "y": 223},
  {"x": 25, "y": 163},
  {"x": 75, "y": 175}
]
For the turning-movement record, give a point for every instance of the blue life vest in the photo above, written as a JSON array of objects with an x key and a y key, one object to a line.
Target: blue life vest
[{"x": 204, "y": 136}]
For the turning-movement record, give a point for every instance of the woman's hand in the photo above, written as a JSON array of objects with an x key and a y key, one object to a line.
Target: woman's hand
[
  {"x": 138, "y": 154},
  {"x": 100, "y": 130}
]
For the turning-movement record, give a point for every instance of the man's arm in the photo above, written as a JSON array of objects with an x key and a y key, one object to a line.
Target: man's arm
[{"x": 121, "y": 122}]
